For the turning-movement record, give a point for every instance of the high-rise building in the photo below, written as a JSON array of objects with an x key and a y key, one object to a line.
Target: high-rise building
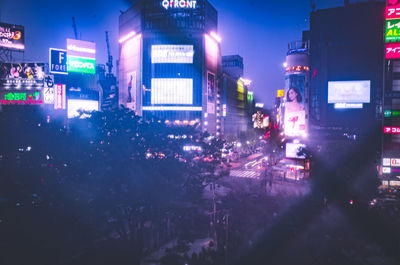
[
  {"x": 346, "y": 66},
  {"x": 170, "y": 62}
]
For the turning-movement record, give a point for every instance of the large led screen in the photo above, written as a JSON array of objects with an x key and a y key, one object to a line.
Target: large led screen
[
  {"x": 172, "y": 91},
  {"x": 293, "y": 150},
  {"x": 349, "y": 92},
  {"x": 22, "y": 75},
  {"x": 294, "y": 97},
  {"x": 172, "y": 54},
  {"x": 77, "y": 105}
]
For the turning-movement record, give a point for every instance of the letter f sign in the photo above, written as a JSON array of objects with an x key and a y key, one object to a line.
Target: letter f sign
[{"x": 61, "y": 57}]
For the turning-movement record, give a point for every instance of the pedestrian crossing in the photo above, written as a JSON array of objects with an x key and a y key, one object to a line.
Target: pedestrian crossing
[{"x": 237, "y": 173}]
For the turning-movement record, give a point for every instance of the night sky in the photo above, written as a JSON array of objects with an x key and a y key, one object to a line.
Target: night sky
[{"x": 258, "y": 30}]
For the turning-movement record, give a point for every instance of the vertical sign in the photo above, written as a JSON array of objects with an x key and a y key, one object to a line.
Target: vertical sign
[
  {"x": 81, "y": 56},
  {"x": 60, "y": 97},
  {"x": 392, "y": 29}
]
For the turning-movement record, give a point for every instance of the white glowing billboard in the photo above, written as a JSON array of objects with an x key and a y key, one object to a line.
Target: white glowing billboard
[
  {"x": 349, "y": 92},
  {"x": 172, "y": 54},
  {"x": 77, "y": 105},
  {"x": 171, "y": 91},
  {"x": 292, "y": 150}
]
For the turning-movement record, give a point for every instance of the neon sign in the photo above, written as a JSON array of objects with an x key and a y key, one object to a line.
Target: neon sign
[
  {"x": 392, "y": 33},
  {"x": 81, "y": 65},
  {"x": 392, "y": 12},
  {"x": 298, "y": 68},
  {"x": 60, "y": 97},
  {"x": 392, "y": 130},
  {"x": 392, "y": 51},
  {"x": 190, "y": 4},
  {"x": 21, "y": 98}
]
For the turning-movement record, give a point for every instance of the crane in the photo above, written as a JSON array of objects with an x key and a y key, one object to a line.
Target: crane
[
  {"x": 74, "y": 27},
  {"x": 110, "y": 58},
  {"x": 313, "y": 7}
]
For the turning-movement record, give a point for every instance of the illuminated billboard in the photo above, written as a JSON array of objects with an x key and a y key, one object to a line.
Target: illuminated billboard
[
  {"x": 172, "y": 54},
  {"x": 349, "y": 92},
  {"x": 295, "y": 114},
  {"x": 211, "y": 93},
  {"x": 392, "y": 51},
  {"x": 21, "y": 97},
  {"x": 392, "y": 32},
  {"x": 22, "y": 75},
  {"x": 75, "y": 106},
  {"x": 391, "y": 130},
  {"x": 81, "y": 56},
  {"x": 293, "y": 150},
  {"x": 58, "y": 61},
  {"x": 12, "y": 36},
  {"x": 60, "y": 97},
  {"x": 171, "y": 91},
  {"x": 392, "y": 12}
]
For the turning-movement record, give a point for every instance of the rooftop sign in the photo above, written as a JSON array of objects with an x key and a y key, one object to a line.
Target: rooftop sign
[{"x": 170, "y": 4}]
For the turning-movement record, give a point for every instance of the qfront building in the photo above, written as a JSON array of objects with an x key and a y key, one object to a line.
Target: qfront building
[{"x": 170, "y": 62}]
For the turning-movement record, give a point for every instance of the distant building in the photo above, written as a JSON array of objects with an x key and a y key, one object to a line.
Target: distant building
[
  {"x": 237, "y": 99},
  {"x": 346, "y": 64}
]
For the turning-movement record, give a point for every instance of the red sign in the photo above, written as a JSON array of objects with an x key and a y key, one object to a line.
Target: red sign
[
  {"x": 392, "y": 51},
  {"x": 395, "y": 162},
  {"x": 392, "y": 2},
  {"x": 392, "y": 130},
  {"x": 392, "y": 12},
  {"x": 60, "y": 98},
  {"x": 298, "y": 68}
]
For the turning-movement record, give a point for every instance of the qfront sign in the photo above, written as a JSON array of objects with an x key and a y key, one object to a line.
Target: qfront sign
[
  {"x": 58, "y": 61},
  {"x": 170, "y": 4},
  {"x": 12, "y": 36}
]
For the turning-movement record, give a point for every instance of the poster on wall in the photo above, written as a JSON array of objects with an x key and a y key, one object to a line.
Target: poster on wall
[
  {"x": 12, "y": 36},
  {"x": 295, "y": 114},
  {"x": 22, "y": 75},
  {"x": 131, "y": 90},
  {"x": 211, "y": 93}
]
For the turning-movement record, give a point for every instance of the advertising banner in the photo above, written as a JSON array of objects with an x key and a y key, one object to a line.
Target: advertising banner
[
  {"x": 392, "y": 32},
  {"x": 81, "y": 56},
  {"x": 58, "y": 61},
  {"x": 12, "y": 36},
  {"x": 60, "y": 97},
  {"x": 22, "y": 75},
  {"x": 172, "y": 54},
  {"x": 392, "y": 51},
  {"x": 211, "y": 93},
  {"x": 349, "y": 91},
  {"x": 293, "y": 150},
  {"x": 21, "y": 97},
  {"x": 392, "y": 12},
  {"x": 295, "y": 114}
]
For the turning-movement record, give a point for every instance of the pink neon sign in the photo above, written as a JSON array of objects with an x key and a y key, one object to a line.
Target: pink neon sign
[
  {"x": 393, "y": 2},
  {"x": 60, "y": 97},
  {"x": 392, "y": 12},
  {"x": 392, "y": 130},
  {"x": 392, "y": 51}
]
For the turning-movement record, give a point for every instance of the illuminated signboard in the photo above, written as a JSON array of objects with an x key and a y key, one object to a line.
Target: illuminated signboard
[
  {"x": 395, "y": 162},
  {"x": 81, "y": 56},
  {"x": 75, "y": 106},
  {"x": 392, "y": 51},
  {"x": 172, "y": 91},
  {"x": 292, "y": 150},
  {"x": 386, "y": 170},
  {"x": 298, "y": 68},
  {"x": 58, "y": 61},
  {"x": 224, "y": 108},
  {"x": 280, "y": 93},
  {"x": 22, "y": 75},
  {"x": 294, "y": 106},
  {"x": 348, "y": 105},
  {"x": 12, "y": 36},
  {"x": 391, "y": 130},
  {"x": 48, "y": 91},
  {"x": 392, "y": 113},
  {"x": 172, "y": 54},
  {"x": 349, "y": 92},
  {"x": 392, "y": 33},
  {"x": 60, "y": 97},
  {"x": 386, "y": 162},
  {"x": 392, "y": 12},
  {"x": 170, "y": 4},
  {"x": 21, "y": 97},
  {"x": 250, "y": 96}
]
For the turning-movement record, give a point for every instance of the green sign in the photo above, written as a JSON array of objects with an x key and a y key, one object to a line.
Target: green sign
[
  {"x": 81, "y": 65},
  {"x": 392, "y": 33},
  {"x": 250, "y": 96},
  {"x": 16, "y": 97},
  {"x": 392, "y": 113}
]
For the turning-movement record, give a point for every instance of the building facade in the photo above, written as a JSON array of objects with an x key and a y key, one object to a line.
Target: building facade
[
  {"x": 346, "y": 65},
  {"x": 170, "y": 62}
]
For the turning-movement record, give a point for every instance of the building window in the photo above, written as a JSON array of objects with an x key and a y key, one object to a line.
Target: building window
[
  {"x": 396, "y": 66},
  {"x": 396, "y": 85}
]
